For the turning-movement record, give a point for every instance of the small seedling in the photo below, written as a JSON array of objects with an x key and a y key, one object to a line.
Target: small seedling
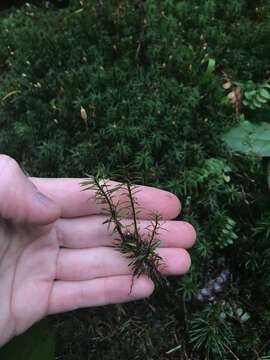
[{"x": 139, "y": 249}]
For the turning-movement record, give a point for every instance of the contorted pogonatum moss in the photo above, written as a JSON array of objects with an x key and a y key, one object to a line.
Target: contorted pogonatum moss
[{"x": 119, "y": 202}]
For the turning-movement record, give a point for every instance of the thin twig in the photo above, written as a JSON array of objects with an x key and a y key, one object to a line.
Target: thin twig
[
  {"x": 231, "y": 352},
  {"x": 133, "y": 210}
]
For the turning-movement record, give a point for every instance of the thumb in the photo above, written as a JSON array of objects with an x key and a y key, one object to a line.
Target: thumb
[{"x": 20, "y": 200}]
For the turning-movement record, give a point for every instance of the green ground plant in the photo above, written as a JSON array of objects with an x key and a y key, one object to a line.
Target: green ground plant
[{"x": 103, "y": 84}]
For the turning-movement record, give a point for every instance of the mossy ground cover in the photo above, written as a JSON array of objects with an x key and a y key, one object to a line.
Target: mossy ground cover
[{"x": 108, "y": 84}]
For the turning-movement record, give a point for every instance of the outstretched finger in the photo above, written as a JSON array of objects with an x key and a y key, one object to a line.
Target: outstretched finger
[
  {"x": 74, "y": 202},
  {"x": 90, "y": 231},
  {"x": 86, "y": 264},
  {"x": 71, "y": 295}
]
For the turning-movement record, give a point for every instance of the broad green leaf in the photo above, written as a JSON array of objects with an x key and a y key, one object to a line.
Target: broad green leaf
[
  {"x": 261, "y": 99},
  {"x": 264, "y": 93},
  {"x": 249, "y": 94},
  {"x": 225, "y": 100},
  {"x": 36, "y": 344},
  {"x": 208, "y": 73},
  {"x": 257, "y": 103},
  {"x": 249, "y": 138}
]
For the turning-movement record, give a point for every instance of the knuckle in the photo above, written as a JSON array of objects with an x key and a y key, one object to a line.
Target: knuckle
[
  {"x": 8, "y": 164},
  {"x": 9, "y": 173},
  {"x": 106, "y": 293},
  {"x": 83, "y": 297}
]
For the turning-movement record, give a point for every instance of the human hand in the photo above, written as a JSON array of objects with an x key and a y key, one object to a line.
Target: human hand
[{"x": 55, "y": 253}]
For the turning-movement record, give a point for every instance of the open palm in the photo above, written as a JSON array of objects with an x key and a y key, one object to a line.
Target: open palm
[{"x": 56, "y": 254}]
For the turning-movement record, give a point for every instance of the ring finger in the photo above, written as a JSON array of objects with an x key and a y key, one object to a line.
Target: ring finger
[{"x": 87, "y": 264}]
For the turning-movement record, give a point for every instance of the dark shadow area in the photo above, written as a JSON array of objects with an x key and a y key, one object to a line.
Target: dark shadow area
[{"x": 6, "y": 4}]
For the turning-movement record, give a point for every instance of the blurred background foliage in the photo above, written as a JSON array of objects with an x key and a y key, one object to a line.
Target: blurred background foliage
[{"x": 103, "y": 84}]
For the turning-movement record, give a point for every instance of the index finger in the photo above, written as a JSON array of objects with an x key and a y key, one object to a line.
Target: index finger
[{"x": 66, "y": 192}]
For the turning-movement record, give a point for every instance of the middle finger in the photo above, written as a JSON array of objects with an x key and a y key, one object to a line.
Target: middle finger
[
  {"x": 89, "y": 231},
  {"x": 87, "y": 264}
]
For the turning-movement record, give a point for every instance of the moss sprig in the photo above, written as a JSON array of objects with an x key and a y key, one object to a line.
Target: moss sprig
[{"x": 140, "y": 250}]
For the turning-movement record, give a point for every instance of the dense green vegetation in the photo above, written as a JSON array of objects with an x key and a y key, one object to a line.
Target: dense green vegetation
[{"x": 111, "y": 83}]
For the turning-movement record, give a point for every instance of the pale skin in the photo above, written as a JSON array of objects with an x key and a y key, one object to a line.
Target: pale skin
[{"x": 56, "y": 255}]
